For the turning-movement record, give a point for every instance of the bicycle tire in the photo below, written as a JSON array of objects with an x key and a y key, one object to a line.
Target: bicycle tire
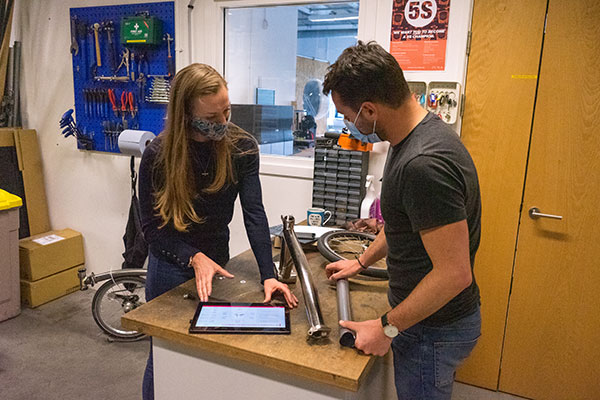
[
  {"x": 108, "y": 306},
  {"x": 355, "y": 243}
]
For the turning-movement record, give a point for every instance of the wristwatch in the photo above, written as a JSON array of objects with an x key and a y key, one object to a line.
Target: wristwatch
[{"x": 388, "y": 329}]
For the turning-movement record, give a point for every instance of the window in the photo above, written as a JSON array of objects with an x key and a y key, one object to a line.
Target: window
[{"x": 275, "y": 62}]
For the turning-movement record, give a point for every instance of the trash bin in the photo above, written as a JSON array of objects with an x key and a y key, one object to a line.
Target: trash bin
[{"x": 10, "y": 296}]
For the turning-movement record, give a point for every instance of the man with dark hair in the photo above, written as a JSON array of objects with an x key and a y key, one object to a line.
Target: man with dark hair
[{"x": 431, "y": 205}]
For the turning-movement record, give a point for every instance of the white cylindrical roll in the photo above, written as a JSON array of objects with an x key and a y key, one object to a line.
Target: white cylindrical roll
[{"x": 134, "y": 142}]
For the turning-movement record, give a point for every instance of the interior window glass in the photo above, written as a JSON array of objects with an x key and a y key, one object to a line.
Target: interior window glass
[{"x": 275, "y": 62}]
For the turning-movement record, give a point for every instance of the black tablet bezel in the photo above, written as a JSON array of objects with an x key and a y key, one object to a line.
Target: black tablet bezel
[{"x": 241, "y": 330}]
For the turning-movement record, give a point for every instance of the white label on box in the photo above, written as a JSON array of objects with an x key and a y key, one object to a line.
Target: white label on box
[{"x": 48, "y": 239}]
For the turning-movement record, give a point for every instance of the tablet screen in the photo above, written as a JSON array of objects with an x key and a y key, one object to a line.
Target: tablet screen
[{"x": 240, "y": 318}]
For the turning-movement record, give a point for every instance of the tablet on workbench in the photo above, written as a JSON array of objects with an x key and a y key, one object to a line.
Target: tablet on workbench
[{"x": 255, "y": 318}]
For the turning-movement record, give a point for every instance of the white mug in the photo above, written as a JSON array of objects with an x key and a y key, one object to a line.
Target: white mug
[{"x": 317, "y": 216}]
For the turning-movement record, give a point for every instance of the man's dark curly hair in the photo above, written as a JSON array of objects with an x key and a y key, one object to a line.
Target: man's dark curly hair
[{"x": 366, "y": 72}]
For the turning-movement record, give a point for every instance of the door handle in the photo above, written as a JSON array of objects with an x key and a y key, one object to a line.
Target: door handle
[{"x": 534, "y": 213}]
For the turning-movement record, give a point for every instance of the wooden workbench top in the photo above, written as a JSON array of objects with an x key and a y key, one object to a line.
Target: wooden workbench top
[{"x": 168, "y": 317}]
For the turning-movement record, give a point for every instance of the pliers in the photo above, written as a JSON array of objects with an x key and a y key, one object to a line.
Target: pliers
[{"x": 113, "y": 101}]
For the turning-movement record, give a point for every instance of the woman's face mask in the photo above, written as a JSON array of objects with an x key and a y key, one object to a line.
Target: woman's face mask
[
  {"x": 357, "y": 134},
  {"x": 211, "y": 130}
]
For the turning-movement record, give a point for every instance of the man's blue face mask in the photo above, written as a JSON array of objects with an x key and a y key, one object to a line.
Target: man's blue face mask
[{"x": 357, "y": 134}]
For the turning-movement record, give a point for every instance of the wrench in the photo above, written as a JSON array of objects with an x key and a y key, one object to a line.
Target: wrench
[
  {"x": 170, "y": 61},
  {"x": 74, "y": 44},
  {"x": 109, "y": 27}
]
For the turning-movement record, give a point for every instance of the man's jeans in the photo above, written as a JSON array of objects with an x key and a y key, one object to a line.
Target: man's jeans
[
  {"x": 426, "y": 358},
  {"x": 162, "y": 276}
]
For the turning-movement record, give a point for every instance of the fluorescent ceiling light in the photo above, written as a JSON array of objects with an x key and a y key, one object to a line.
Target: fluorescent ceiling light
[{"x": 332, "y": 19}]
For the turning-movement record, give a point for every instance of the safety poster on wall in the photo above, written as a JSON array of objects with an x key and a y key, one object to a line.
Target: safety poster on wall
[{"x": 419, "y": 34}]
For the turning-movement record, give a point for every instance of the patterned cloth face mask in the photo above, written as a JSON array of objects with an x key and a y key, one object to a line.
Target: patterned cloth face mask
[{"x": 210, "y": 130}]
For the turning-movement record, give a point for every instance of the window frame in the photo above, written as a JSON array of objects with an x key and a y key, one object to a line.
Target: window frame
[{"x": 288, "y": 166}]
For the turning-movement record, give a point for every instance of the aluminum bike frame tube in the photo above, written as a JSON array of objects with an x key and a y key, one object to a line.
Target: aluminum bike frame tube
[
  {"x": 347, "y": 336},
  {"x": 317, "y": 329}
]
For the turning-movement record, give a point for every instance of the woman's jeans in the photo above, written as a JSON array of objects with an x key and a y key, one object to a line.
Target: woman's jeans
[
  {"x": 426, "y": 358},
  {"x": 161, "y": 277}
]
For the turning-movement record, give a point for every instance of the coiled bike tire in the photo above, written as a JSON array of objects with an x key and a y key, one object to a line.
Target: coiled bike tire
[
  {"x": 113, "y": 299},
  {"x": 347, "y": 245}
]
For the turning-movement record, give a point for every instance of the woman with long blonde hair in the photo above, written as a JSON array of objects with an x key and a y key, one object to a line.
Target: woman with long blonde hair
[{"x": 190, "y": 177}]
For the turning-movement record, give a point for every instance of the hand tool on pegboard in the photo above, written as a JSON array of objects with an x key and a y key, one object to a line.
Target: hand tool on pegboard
[
  {"x": 70, "y": 128},
  {"x": 160, "y": 89},
  {"x": 74, "y": 45},
  {"x": 96, "y": 28},
  {"x": 170, "y": 60},
  {"x": 132, "y": 65},
  {"x": 142, "y": 74},
  {"x": 112, "y": 50},
  {"x": 93, "y": 67},
  {"x": 123, "y": 105},
  {"x": 124, "y": 62},
  {"x": 113, "y": 101},
  {"x": 132, "y": 104},
  {"x": 81, "y": 33}
]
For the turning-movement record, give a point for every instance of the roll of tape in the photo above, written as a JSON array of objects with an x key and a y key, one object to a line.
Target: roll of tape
[{"x": 134, "y": 142}]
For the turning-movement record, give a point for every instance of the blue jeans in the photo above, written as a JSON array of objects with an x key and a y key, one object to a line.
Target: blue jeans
[
  {"x": 426, "y": 358},
  {"x": 162, "y": 276}
]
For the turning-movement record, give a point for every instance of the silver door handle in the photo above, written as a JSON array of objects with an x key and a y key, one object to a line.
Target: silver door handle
[{"x": 535, "y": 213}]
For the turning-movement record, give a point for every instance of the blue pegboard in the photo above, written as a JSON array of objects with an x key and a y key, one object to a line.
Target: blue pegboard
[{"x": 93, "y": 110}]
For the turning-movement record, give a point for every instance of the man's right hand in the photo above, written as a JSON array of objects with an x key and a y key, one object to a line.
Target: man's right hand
[
  {"x": 342, "y": 269},
  {"x": 205, "y": 269}
]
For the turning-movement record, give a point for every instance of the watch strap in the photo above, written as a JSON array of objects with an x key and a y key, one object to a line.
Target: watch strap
[{"x": 384, "y": 320}]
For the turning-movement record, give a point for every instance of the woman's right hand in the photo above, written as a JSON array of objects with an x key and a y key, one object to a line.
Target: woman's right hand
[{"x": 205, "y": 269}]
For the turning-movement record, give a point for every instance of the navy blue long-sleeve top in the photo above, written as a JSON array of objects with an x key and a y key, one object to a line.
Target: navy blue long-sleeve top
[{"x": 212, "y": 236}]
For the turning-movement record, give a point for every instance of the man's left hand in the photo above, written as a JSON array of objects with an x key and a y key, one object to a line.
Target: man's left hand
[
  {"x": 272, "y": 285},
  {"x": 369, "y": 336}
]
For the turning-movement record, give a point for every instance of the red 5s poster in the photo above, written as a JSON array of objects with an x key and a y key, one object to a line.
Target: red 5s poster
[{"x": 419, "y": 34}]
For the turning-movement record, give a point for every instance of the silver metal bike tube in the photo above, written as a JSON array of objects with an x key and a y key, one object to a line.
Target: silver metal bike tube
[
  {"x": 317, "y": 329},
  {"x": 119, "y": 273},
  {"x": 347, "y": 336}
]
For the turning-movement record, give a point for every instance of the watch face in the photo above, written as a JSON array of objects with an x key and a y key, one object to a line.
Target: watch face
[{"x": 390, "y": 331}]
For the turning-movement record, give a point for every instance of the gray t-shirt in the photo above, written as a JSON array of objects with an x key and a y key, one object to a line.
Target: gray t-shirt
[{"x": 429, "y": 181}]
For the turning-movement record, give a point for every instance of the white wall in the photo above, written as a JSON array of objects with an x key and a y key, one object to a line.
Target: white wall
[{"x": 89, "y": 191}]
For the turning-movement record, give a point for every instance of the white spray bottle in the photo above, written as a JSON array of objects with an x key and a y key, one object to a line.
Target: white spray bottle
[{"x": 370, "y": 197}]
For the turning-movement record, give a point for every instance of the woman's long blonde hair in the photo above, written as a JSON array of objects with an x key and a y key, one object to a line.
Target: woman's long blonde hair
[{"x": 175, "y": 190}]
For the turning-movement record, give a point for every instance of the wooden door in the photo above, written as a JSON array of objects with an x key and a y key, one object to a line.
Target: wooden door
[
  {"x": 552, "y": 343},
  {"x": 500, "y": 94}
]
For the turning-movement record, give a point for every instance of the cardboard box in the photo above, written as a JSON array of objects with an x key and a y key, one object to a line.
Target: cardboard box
[
  {"x": 49, "y": 253},
  {"x": 50, "y": 288},
  {"x": 22, "y": 175}
]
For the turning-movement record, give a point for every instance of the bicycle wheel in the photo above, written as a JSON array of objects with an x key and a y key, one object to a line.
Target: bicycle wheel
[
  {"x": 114, "y": 298},
  {"x": 347, "y": 245}
]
